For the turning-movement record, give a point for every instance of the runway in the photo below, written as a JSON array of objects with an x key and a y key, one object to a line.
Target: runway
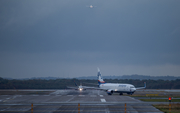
[{"x": 71, "y": 101}]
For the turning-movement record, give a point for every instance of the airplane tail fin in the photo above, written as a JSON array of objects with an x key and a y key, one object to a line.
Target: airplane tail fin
[{"x": 100, "y": 79}]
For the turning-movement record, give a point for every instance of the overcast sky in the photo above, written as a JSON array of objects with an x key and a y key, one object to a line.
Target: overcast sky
[{"x": 66, "y": 38}]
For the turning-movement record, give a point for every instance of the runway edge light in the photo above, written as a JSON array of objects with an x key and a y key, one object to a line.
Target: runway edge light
[{"x": 169, "y": 99}]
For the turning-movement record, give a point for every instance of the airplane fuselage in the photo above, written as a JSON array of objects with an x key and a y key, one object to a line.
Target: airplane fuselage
[{"x": 118, "y": 88}]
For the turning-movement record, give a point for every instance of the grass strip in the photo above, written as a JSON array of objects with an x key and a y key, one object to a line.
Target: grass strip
[{"x": 175, "y": 108}]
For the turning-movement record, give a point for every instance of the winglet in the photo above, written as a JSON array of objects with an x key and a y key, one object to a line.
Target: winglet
[
  {"x": 144, "y": 84},
  {"x": 142, "y": 87},
  {"x": 75, "y": 83}
]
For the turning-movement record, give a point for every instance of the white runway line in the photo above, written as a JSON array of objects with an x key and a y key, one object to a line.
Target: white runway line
[
  {"x": 69, "y": 95},
  {"x": 101, "y": 95},
  {"x": 103, "y": 100},
  {"x": 81, "y": 95},
  {"x": 71, "y": 99},
  {"x": 135, "y": 99},
  {"x": 93, "y": 95}
]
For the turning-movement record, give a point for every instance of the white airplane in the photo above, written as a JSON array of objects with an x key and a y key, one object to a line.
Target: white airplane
[
  {"x": 91, "y": 6},
  {"x": 111, "y": 88},
  {"x": 80, "y": 87}
]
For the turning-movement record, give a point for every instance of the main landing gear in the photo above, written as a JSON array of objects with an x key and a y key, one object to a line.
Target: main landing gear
[{"x": 120, "y": 93}]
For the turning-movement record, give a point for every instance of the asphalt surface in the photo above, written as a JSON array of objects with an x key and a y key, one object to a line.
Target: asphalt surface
[{"x": 71, "y": 101}]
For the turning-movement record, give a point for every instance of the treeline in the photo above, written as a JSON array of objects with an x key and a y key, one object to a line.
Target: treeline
[{"x": 63, "y": 83}]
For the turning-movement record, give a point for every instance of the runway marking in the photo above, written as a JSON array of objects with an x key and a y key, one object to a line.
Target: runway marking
[
  {"x": 101, "y": 95},
  {"x": 135, "y": 99},
  {"x": 107, "y": 110},
  {"x": 103, "y": 100},
  {"x": 69, "y": 95},
  {"x": 6, "y": 99},
  {"x": 35, "y": 95},
  {"x": 81, "y": 95},
  {"x": 46, "y": 95},
  {"x": 93, "y": 96},
  {"x": 71, "y": 99}
]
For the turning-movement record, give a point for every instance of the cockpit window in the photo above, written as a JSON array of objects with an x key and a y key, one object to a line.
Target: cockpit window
[{"x": 132, "y": 87}]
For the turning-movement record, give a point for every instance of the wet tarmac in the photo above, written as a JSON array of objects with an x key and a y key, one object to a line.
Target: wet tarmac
[{"x": 72, "y": 101}]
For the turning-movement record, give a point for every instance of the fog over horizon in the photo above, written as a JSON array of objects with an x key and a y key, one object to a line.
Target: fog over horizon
[{"x": 65, "y": 38}]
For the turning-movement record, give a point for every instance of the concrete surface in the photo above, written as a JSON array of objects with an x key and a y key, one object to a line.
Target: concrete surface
[{"x": 66, "y": 101}]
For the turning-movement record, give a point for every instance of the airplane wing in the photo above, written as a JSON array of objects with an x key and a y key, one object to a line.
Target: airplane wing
[
  {"x": 142, "y": 87},
  {"x": 97, "y": 88},
  {"x": 86, "y": 87},
  {"x": 72, "y": 87},
  {"x": 90, "y": 83}
]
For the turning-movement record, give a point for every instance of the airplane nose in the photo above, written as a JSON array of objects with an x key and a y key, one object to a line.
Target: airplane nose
[{"x": 133, "y": 89}]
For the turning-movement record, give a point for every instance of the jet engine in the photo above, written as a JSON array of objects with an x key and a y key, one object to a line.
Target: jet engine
[{"x": 109, "y": 92}]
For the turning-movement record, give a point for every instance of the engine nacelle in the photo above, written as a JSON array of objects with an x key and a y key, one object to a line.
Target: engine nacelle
[{"x": 109, "y": 92}]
